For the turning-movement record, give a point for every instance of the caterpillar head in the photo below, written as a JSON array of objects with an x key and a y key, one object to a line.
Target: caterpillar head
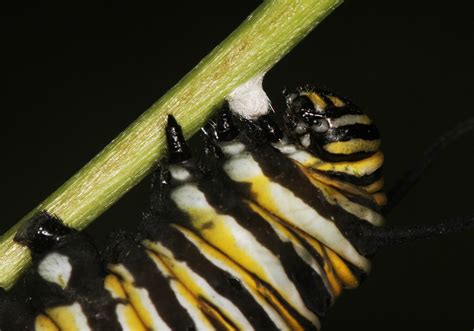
[{"x": 330, "y": 126}]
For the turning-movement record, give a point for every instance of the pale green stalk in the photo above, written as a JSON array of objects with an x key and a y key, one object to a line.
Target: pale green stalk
[{"x": 269, "y": 33}]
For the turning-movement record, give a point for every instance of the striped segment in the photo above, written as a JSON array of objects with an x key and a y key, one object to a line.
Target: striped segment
[
  {"x": 292, "y": 320},
  {"x": 293, "y": 198},
  {"x": 68, "y": 288},
  {"x": 160, "y": 300},
  {"x": 125, "y": 312},
  {"x": 234, "y": 296},
  {"x": 239, "y": 243},
  {"x": 349, "y": 150}
]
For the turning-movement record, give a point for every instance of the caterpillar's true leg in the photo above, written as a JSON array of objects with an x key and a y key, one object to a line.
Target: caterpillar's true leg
[
  {"x": 178, "y": 149},
  {"x": 410, "y": 178}
]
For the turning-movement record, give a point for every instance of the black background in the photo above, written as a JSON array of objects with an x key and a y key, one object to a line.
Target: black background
[{"x": 75, "y": 75}]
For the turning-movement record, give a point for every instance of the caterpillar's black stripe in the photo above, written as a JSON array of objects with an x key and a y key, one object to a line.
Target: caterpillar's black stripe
[
  {"x": 146, "y": 274},
  {"x": 223, "y": 282},
  {"x": 359, "y": 181},
  {"x": 219, "y": 324},
  {"x": 274, "y": 165},
  {"x": 362, "y": 201},
  {"x": 321, "y": 153},
  {"x": 316, "y": 296},
  {"x": 337, "y": 112}
]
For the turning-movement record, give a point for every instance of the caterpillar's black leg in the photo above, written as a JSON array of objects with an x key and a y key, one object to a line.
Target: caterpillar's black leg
[
  {"x": 178, "y": 149},
  {"x": 409, "y": 179},
  {"x": 270, "y": 129},
  {"x": 42, "y": 232},
  {"x": 225, "y": 127},
  {"x": 178, "y": 152}
]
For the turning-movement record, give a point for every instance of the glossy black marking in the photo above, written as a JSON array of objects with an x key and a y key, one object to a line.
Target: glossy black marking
[
  {"x": 302, "y": 104},
  {"x": 42, "y": 232},
  {"x": 222, "y": 282},
  {"x": 127, "y": 251},
  {"x": 160, "y": 188},
  {"x": 336, "y": 112},
  {"x": 212, "y": 156},
  {"x": 178, "y": 149},
  {"x": 301, "y": 110},
  {"x": 270, "y": 129},
  {"x": 209, "y": 131},
  {"x": 304, "y": 107},
  {"x": 291, "y": 123},
  {"x": 225, "y": 128}
]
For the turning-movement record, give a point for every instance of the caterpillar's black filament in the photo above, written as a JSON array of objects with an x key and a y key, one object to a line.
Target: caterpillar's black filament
[{"x": 261, "y": 230}]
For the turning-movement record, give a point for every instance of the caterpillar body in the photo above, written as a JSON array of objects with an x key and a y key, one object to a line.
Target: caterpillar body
[{"x": 262, "y": 230}]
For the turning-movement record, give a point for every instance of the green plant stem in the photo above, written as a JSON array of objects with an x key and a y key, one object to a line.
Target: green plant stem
[{"x": 269, "y": 33}]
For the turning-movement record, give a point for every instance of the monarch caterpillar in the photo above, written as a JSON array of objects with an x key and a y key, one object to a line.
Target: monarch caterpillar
[{"x": 262, "y": 230}]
